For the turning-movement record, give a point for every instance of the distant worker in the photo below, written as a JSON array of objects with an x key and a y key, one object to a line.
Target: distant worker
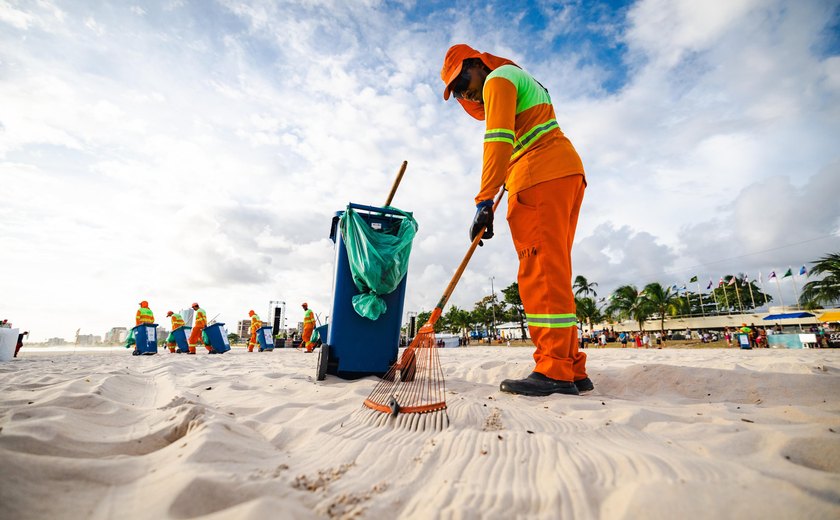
[
  {"x": 198, "y": 328},
  {"x": 143, "y": 316},
  {"x": 256, "y": 323},
  {"x": 308, "y": 327},
  {"x": 177, "y": 323}
]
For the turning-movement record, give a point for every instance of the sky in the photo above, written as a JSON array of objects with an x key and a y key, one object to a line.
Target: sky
[{"x": 196, "y": 151}]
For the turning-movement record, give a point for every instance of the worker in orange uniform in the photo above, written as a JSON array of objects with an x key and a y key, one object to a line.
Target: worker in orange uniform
[
  {"x": 256, "y": 323},
  {"x": 525, "y": 150},
  {"x": 308, "y": 327},
  {"x": 198, "y": 329},
  {"x": 143, "y": 315},
  {"x": 177, "y": 323}
]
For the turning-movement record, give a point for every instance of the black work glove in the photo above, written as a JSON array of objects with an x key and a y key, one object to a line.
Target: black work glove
[{"x": 483, "y": 217}]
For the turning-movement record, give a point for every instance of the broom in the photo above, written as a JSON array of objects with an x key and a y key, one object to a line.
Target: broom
[{"x": 412, "y": 392}]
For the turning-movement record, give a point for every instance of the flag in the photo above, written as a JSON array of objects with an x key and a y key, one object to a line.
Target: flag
[
  {"x": 683, "y": 287},
  {"x": 675, "y": 288},
  {"x": 803, "y": 271},
  {"x": 710, "y": 284},
  {"x": 693, "y": 279},
  {"x": 759, "y": 278},
  {"x": 746, "y": 280},
  {"x": 772, "y": 275},
  {"x": 732, "y": 281},
  {"x": 720, "y": 283},
  {"x": 788, "y": 273}
]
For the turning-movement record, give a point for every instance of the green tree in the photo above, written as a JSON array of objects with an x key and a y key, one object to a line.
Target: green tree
[
  {"x": 233, "y": 337},
  {"x": 582, "y": 287},
  {"x": 457, "y": 321},
  {"x": 512, "y": 298},
  {"x": 825, "y": 291},
  {"x": 587, "y": 311},
  {"x": 423, "y": 317},
  {"x": 661, "y": 301},
  {"x": 627, "y": 302}
]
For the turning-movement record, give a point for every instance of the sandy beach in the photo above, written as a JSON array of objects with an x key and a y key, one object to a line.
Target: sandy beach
[{"x": 671, "y": 433}]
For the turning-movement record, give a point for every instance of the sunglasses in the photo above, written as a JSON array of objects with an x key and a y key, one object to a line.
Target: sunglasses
[{"x": 461, "y": 84}]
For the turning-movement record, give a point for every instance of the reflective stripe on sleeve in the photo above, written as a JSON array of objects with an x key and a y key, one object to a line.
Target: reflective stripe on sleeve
[{"x": 499, "y": 135}]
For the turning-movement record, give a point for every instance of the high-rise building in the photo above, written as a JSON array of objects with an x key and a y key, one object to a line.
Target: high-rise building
[{"x": 242, "y": 328}]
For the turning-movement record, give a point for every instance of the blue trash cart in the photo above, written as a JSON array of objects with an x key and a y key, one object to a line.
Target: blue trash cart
[
  {"x": 145, "y": 339},
  {"x": 265, "y": 338},
  {"x": 354, "y": 346},
  {"x": 217, "y": 334},
  {"x": 181, "y": 336}
]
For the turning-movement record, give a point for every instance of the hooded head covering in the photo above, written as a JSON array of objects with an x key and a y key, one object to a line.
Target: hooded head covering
[
  {"x": 144, "y": 304},
  {"x": 251, "y": 313},
  {"x": 453, "y": 63}
]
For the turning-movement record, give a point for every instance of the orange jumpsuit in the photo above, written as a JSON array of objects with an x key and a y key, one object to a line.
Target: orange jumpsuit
[
  {"x": 308, "y": 329},
  {"x": 256, "y": 323},
  {"x": 195, "y": 336},
  {"x": 525, "y": 150}
]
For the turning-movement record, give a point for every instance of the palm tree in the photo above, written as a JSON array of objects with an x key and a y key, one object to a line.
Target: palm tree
[
  {"x": 662, "y": 301},
  {"x": 513, "y": 299},
  {"x": 628, "y": 302},
  {"x": 587, "y": 311},
  {"x": 582, "y": 287},
  {"x": 827, "y": 290}
]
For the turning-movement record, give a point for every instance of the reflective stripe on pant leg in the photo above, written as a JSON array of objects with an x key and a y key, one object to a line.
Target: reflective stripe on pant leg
[{"x": 542, "y": 221}]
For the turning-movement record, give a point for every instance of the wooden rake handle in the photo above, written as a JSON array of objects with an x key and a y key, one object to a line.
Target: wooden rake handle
[
  {"x": 451, "y": 287},
  {"x": 396, "y": 183}
]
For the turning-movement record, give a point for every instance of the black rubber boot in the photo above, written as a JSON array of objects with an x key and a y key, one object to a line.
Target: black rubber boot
[
  {"x": 538, "y": 384},
  {"x": 585, "y": 385}
]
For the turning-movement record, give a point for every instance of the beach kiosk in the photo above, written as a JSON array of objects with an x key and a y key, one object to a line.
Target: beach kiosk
[
  {"x": 145, "y": 338},
  {"x": 217, "y": 335},
  {"x": 265, "y": 339}
]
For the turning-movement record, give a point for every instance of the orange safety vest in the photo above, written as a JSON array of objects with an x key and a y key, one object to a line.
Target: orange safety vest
[
  {"x": 200, "y": 318},
  {"x": 177, "y": 321},
  {"x": 256, "y": 323},
  {"x": 308, "y": 318},
  {"x": 144, "y": 315}
]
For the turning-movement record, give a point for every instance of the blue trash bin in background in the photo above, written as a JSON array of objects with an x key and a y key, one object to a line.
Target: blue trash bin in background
[
  {"x": 145, "y": 337},
  {"x": 265, "y": 338},
  {"x": 360, "y": 347},
  {"x": 744, "y": 341},
  {"x": 217, "y": 334},
  {"x": 181, "y": 335}
]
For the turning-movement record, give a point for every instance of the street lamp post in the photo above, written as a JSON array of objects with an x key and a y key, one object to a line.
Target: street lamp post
[{"x": 493, "y": 303}]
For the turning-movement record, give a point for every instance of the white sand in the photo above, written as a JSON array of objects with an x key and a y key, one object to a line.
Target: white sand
[{"x": 666, "y": 434}]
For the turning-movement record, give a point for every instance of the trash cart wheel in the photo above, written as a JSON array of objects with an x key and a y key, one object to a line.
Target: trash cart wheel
[{"x": 323, "y": 361}]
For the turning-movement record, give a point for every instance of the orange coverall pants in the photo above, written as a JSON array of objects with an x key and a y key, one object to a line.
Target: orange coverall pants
[
  {"x": 195, "y": 337},
  {"x": 542, "y": 220},
  {"x": 307, "y": 337}
]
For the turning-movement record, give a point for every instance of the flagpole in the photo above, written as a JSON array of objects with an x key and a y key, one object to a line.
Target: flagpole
[
  {"x": 795, "y": 290},
  {"x": 749, "y": 286},
  {"x": 779, "y": 287},
  {"x": 701, "y": 299},
  {"x": 725, "y": 298},
  {"x": 738, "y": 295}
]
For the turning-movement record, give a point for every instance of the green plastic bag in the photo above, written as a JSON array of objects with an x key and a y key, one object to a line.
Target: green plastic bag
[{"x": 378, "y": 258}]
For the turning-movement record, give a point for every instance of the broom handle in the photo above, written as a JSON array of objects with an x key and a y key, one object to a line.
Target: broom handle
[
  {"x": 396, "y": 183},
  {"x": 451, "y": 287}
]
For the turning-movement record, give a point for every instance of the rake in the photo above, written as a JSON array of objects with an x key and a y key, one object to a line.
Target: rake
[{"x": 412, "y": 392}]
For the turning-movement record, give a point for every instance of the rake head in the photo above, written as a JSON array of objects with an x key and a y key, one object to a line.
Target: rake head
[{"x": 414, "y": 384}]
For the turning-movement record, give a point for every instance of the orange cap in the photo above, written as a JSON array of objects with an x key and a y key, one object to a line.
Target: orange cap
[
  {"x": 453, "y": 63},
  {"x": 194, "y": 305},
  {"x": 251, "y": 313},
  {"x": 170, "y": 313},
  {"x": 304, "y": 304},
  {"x": 144, "y": 303}
]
